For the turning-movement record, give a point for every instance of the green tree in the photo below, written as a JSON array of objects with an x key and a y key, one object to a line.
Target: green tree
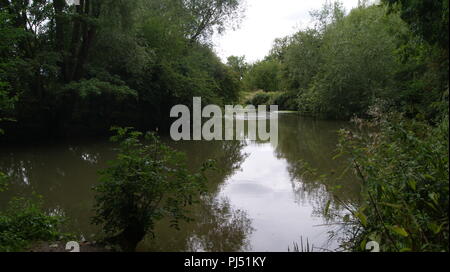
[
  {"x": 263, "y": 75},
  {"x": 8, "y": 60},
  {"x": 302, "y": 59},
  {"x": 103, "y": 63},
  {"x": 209, "y": 16},
  {"x": 427, "y": 18},
  {"x": 427, "y": 94},
  {"x": 148, "y": 181},
  {"x": 238, "y": 65},
  {"x": 359, "y": 64}
]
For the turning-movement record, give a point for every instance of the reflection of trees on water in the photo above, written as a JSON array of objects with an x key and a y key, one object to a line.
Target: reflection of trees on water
[
  {"x": 62, "y": 173},
  {"x": 44, "y": 168},
  {"x": 220, "y": 228},
  {"x": 65, "y": 173},
  {"x": 216, "y": 225},
  {"x": 311, "y": 144},
  {"x": 308, "y": 144},
  {"x": 319, "y": 196},
  {"x": 227, "y": 154}
]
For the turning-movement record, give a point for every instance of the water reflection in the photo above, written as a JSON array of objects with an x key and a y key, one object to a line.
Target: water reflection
[
  {"x": 62, "y": 173},
  {"x": 217, "y": 227},
  {"x": 259, "y": 198},
  {"x": 221, "y": 228}
]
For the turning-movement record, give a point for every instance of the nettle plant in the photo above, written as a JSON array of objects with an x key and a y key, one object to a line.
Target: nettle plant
[{"x": 147, "y": 181}]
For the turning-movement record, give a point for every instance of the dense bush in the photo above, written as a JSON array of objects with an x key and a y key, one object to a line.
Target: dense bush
[
  {"x": 263, "y": 75},
  {"x": 25, "y": 222},
  {"x": 85, "y": 68},
  {"x": 358, "y": 64},
  {"x": 284, "y": 100},
  {"x": 344, "y": 63},
  {"x": 404, "y": 167},
  {"x": 147, "y": 181},
  {"x": 259, "y": 98}
]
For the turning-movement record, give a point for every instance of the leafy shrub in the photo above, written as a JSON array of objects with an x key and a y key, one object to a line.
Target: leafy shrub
[
  {"x": 284, "y": 100},
  {"x": 147, "y": 181},
  {"x": 405, "y": 172},
  {"x": 25, "y": 222},
  {"x": 260, "y": 98},
  {"x": 263, "y": 75}
]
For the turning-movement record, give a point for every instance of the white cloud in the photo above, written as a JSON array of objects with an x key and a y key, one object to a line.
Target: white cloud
[{"x": 266, "y": 20}]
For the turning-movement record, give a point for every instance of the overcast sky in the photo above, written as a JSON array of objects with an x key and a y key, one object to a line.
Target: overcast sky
[{"x": 266, "y": 20}]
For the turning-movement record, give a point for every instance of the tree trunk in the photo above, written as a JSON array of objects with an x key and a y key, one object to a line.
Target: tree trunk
[{"x": 129, "y": 238}]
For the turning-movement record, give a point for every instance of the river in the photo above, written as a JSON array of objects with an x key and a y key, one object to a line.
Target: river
[{"x": 259, "y": 199}]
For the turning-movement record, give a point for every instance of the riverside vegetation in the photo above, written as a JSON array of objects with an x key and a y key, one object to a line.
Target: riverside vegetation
[
  {"x": 72, "y": 70},
  {"x": 67, "y": 70},
  {"x": 388, "y": 64}
]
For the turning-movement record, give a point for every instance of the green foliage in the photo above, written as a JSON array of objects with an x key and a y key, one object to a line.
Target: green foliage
[
  {"x": 284, "y": 100},
  {"x": 357, "y": 64},
  {"x": 263, "y": 75},
  {"x": 346, "y": 62},
  {"x": 428, "y": 19},
  {"x": 238, "y": 65},
  {"x": 423, "y": 79},
  {"x": 229, "y": 84},
  {"x": 147, "y": 181},
  {"x": 259, "y": 98},
  {"x": 98, "y": 103},
  {"x": 10, "y": 35},
  {"x": 301, "y": 59},
  {"x": 403, "y": 165},
  {"x": 25, "y": 222},
  {"x": 68, "y": 68},
  {"x": 206, "y": 16}
]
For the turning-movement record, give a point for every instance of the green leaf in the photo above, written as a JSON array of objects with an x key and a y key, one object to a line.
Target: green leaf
[
  {"x": 434, "y": 227},
  {"x": 428, "y": 177},
  {"x": 399, "y": 230},
  {"x": 435, "y": 198},
  {"x": 362, "y": 218},
  {"x": 412, "y": 184}
]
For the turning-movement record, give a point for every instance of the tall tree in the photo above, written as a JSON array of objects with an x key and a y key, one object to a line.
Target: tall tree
[
  {"x": 207, "y": 16},
  {"x": 427, "y": 18},
  {"x": 238, "y": 65}
]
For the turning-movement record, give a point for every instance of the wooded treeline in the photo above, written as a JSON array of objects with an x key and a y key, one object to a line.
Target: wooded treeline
[
  {"x": 81, "y": 69},
  {"x": 395, "y": 51},
  {"x": 386, "y": 67},
  {"x": 67, "y": 69}
]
